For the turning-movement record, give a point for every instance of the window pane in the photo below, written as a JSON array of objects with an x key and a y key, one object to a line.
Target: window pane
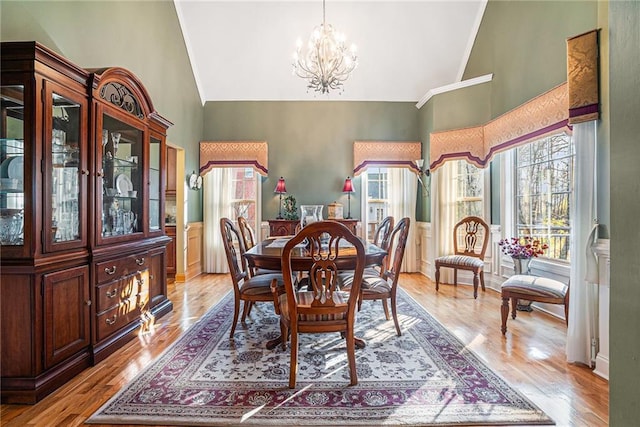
[{"x": 544, "y": 183}]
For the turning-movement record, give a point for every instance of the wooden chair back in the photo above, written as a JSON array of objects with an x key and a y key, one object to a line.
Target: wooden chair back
[
  {"x": 471, "y": 237},
  {"x": 382, "y": 237},
  {"x": 246, "y": 232},
  {"x": 325, "y": 242},
  {"x": 232, "y": 239},
  {"x": 397, "y": 245}
]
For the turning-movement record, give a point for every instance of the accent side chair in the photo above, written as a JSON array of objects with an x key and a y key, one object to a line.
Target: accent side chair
[{"x": 470, "y": 240}]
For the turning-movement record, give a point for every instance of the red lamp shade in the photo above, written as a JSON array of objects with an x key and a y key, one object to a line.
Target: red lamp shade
[
  {"x": 348, "y": 186},
  {"x": 280, "y": 187}
]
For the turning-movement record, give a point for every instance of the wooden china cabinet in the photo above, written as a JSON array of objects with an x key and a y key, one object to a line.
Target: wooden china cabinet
[{"x": 81, "y": 202}]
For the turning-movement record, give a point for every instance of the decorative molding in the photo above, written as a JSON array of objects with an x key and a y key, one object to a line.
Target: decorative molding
[
  {"x": 601, "y": 249},
  {"x": 453, "y": 86},
  {"x": 194, "y": 250},
  {"x": 225, "y": 154}
]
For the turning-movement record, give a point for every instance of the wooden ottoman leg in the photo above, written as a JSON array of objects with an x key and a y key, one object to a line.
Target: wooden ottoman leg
[
  {"x": 437, "y": 277},
  {"x": 504, "y": 311}
]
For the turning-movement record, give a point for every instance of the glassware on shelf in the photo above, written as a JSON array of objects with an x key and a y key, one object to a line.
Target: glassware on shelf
[
  {"x": 115, "y": 139},
  {"x": 105, "y": 137}
]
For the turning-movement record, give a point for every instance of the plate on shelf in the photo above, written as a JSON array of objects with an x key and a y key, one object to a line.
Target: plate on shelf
[
  {"x": 16, "y": 168},
  {"x": 124, "y": 184}
]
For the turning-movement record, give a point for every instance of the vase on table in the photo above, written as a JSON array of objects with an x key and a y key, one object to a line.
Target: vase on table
[
  {"x": 310, "y": 214},
  {"x": 522, "y": 266}
]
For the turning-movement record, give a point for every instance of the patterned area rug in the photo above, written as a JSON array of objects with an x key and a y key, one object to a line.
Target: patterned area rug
[{"x": 425, "y": 377}]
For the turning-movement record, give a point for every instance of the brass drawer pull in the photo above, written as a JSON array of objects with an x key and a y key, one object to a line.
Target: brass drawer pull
[
  {"x": 140, "y": 282},
  {"x": 111, "y": 320},
  {"x": 111, "y": 270},
  {"x": 140, "y": 261},
  {"x": 112, "y": 293}
]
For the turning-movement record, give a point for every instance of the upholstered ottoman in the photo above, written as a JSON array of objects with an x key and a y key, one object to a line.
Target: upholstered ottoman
[{"x": 532, "y": 288}]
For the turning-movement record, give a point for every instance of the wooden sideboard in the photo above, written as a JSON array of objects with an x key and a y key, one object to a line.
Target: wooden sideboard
[{"x": 287, "y": 227}]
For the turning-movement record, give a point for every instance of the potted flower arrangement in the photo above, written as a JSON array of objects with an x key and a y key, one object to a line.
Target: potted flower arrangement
[
  {"x": 522, "y": 250},
  {"x": 525, "y": 247}
]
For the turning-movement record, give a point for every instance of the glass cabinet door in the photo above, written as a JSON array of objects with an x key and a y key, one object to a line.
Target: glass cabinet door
[
  {"x": 121, "y": 155},
  {"x": 154, "y": 184},
  {"x": 12, "y": 194},
  {"x": 64, "y": 147}
]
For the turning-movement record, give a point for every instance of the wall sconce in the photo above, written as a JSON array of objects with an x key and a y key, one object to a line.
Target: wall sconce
[
  {"x": 424, "y": 176},
  {"x": 348, "y": 188},
  {"x": 195, "y": 181},
  {"x": 280, "y": 189}
]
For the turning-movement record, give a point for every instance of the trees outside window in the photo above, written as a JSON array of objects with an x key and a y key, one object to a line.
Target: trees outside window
[
  {"x": 469, "y": 190},
  {"x": 243, "y": 195},
  {"x": 543, "y": 187},
  {"x": 377, "y": 183}
]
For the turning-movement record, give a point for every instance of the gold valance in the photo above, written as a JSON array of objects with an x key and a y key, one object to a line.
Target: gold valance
[
  {"x": 582, "y": 77},
  {"x": 539, "y": 117},
  {"x": 385, "y": 153},
  {"x": 225, "y": 154}
]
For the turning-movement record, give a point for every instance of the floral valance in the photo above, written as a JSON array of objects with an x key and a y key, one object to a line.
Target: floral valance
[
  {"x": 582, "y": 77},
  {"x": 539, "y": 117},
  {"x": 385, "y": 153},
  {"x": 225, "y": 154},
  {"x": 554, "y": 111}
]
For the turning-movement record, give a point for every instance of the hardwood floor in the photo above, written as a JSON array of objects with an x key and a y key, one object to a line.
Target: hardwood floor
[{"x": 531, "y": 357}]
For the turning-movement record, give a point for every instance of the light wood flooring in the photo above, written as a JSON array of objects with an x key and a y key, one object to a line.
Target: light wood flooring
[{"x": 531, "y": 357}]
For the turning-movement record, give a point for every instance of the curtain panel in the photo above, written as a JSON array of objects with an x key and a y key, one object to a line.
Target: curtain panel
[
  {"x": 386, "y": 153},
  {"x": 234, "y": 154}
]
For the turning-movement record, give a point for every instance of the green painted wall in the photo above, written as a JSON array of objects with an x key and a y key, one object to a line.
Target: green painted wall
[
  {"x": 95, "y": 34},
  {"x": 311, "y": 143},
  {"x": 624, "y": 81}
]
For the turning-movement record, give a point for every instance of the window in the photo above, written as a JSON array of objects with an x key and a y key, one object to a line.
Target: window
[
  {"x": 543, "y": 189},
  {"x": 243, "y": 195},
  {"x": 469, "y": 190},
  {"x": 377, "y": 204}
]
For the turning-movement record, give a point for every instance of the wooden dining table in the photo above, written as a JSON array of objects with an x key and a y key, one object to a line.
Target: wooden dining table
[{"x": 268, "y": 255}]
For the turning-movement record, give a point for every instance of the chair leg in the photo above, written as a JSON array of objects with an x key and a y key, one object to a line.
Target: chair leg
[
  {"x": 475, "y": 284},
  {"x": 385, "y": 308},
  {"x": 482, "y": 280},
  {"x": 504, "y": 311},
  {"x": 294, "y": 359},
  {"x": 351, "y": 356},
  {"x": 514, "y": 305},
  {"x": 455, "y": 276},
  {"x": 284, "y": 334},
  {"x": 245, "y": 310},
  {"x": 236, "y": 312},
  {"x": 437, "y": 277},
  {"x": 394, "y": 311}
]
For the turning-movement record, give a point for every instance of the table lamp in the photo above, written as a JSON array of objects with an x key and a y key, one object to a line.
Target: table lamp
[
  {"x": 348, "y": 188},
  {"x": 280, "y": 189}
]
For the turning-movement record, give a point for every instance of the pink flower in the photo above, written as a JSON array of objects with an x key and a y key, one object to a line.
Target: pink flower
[{"x": 522, "y": 247}]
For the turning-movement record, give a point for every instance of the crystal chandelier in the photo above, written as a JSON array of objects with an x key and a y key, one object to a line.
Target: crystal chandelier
[{"x": 326, "y": 62}]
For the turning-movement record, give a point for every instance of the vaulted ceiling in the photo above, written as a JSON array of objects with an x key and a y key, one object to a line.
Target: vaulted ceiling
[{"x": 242, "y": 50}]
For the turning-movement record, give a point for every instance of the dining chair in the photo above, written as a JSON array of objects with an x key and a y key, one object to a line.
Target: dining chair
[
  {"x": 384, "y": 285},
  {"x": 246, "y": 287},
  {"x": 470, "y": 239},
  {"x": 324, "y": 308},
  {"x": 247, "y": 237},
  {"x": 381, "y": 239}
]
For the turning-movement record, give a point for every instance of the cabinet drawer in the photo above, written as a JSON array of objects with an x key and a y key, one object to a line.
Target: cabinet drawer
[
  {"x": 112, "y": 320},
  {"x": 121, "y": 290},
  {"x": 107, "y": 271}
]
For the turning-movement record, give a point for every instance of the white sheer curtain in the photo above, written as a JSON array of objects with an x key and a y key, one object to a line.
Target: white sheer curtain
[
  {"x": 403, "y": 189},
  {"x": 217, "y": 189},
  {"x": 583, "y": 306},
  {"x": 443, "y": 215}
]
